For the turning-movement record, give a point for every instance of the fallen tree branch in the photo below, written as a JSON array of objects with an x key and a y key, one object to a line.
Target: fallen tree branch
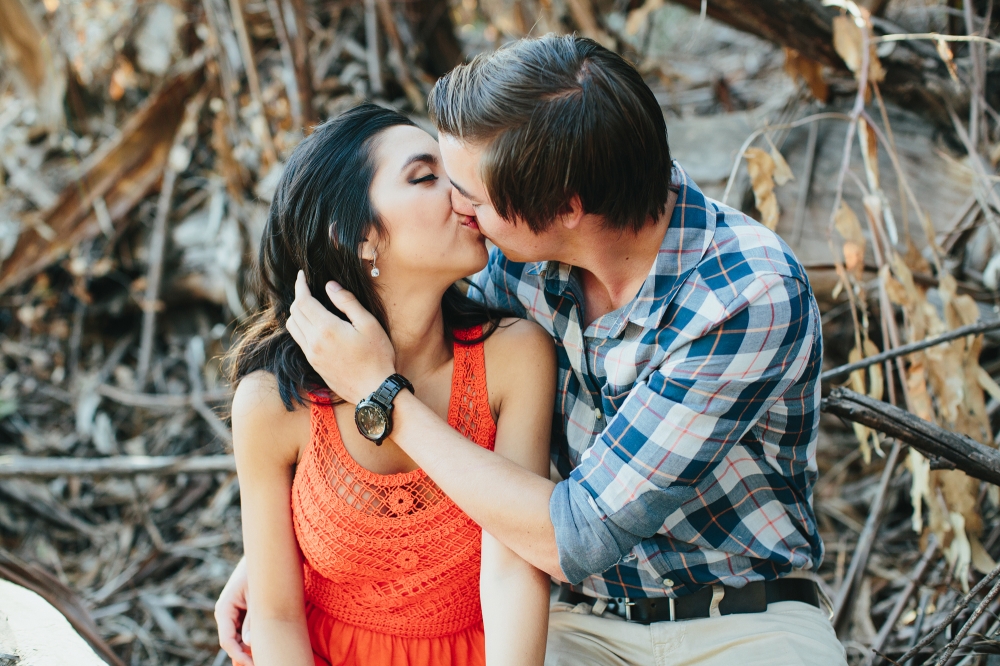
[
  {"x": 121, "y": 173},
  {"x": 25, "y": 466},
  {"x": 971, "y": 329},
  {"x": 901, "y": 602},
  {"x": 159, "y": 401},
  {"x": 975, "y": 459},
  {"x": 856, "y": 572},
  {"x": 955, "y": 612}
]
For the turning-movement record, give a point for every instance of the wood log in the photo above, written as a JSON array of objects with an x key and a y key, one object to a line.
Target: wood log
[
  {"x": 975, "y": 459},
  {"x": 912, "y": 80}
]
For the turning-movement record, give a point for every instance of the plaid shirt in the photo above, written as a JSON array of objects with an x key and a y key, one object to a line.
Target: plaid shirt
[{"x": 686, "y": 420}]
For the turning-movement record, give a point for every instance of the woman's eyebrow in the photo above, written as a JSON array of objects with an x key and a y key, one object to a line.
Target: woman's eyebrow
[{"x": 426, "y": 158}]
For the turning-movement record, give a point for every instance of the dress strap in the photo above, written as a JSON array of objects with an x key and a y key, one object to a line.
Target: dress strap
[{"x": 469, "y": 411}]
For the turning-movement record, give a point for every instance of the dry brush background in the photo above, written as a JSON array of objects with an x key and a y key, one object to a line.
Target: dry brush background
[{"x": 140, "y": 142}]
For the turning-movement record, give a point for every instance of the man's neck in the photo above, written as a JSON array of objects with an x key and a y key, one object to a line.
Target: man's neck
[{"x": 614, "y": 264}]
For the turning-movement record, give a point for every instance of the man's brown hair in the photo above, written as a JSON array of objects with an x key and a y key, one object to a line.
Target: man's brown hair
[{"x": 560, "y": 116}]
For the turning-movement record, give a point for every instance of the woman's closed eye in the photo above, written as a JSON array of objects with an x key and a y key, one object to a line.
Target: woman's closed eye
[{"x": 424, "y": 179}]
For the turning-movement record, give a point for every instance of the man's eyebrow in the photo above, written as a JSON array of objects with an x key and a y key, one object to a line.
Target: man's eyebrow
[
  {"x": 462, "y": 191},
  {"x": 426, "y": 158}
]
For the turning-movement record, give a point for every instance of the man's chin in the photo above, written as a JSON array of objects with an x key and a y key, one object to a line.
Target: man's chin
[{"x": 512, "y": 254}]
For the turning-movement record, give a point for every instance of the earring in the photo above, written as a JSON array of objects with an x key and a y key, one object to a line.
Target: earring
[{"x": 375, "y": 271}]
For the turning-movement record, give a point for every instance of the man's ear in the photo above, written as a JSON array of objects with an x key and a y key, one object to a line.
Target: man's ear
[{"x": 573, "y": 216}]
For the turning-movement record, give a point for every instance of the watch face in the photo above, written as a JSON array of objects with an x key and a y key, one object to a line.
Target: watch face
[{"x": 371, "y": 420}]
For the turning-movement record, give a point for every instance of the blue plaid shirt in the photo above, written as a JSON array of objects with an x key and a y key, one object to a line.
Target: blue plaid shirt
[{"x": 686, "y": 420}]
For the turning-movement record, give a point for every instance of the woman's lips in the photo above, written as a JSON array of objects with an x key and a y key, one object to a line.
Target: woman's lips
[{"x": 470, "y": 222}]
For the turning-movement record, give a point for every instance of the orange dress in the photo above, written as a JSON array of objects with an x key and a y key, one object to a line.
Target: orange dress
[{"x": 391, "y": 564}]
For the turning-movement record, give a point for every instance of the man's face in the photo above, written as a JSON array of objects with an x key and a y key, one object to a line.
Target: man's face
[{"x": 469, "y": 197}]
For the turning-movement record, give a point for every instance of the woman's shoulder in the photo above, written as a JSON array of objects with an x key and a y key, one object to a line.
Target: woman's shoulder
[
  {"x": 258, "y": 411},
  {"x": 517, "y": 335},
  {"x": 518, "y": 350}
]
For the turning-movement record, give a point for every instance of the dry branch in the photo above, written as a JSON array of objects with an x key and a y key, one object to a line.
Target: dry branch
[
  {"x": 903, "y": 350},
  {"x": 968, "y": 455},
  {"x": 33, "y": 466}
]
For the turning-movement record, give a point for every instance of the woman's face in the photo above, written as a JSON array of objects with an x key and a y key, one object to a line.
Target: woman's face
[{"x": 427, "y": 240}]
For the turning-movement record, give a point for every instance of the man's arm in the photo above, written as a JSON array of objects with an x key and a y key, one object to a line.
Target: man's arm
[{"x": 670, "y": 432}]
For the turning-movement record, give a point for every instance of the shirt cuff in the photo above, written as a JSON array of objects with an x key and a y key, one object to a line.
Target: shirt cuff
[{"x": 587, "y": 542}]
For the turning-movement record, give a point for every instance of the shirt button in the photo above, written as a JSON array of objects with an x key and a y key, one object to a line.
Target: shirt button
[
  {"x": 597, "y": 413},
  {"x": 668, "y": 582}
]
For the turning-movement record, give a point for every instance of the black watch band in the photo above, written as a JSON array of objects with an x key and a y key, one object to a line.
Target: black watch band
[
  {"x": 389, "y": 389},
  {"x": 373, "y": 415}
]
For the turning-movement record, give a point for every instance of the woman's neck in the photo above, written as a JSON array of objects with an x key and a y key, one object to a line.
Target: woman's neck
[{"x": 417, "y": 325}]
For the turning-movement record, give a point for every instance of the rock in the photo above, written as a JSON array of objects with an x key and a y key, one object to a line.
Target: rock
[{"x": 43, "y": 636}]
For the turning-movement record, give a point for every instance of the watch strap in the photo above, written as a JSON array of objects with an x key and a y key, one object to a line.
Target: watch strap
[{"x": 389, "y": 389}]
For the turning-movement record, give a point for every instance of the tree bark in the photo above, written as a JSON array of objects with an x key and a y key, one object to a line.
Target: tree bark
[
  {"x": 915, "y": 78},
  {"x": 435, "y": 31}
]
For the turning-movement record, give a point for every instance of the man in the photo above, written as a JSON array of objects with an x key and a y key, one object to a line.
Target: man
[{"x": 689, "y": 351}]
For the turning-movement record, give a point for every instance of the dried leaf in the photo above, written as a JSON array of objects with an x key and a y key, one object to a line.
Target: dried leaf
[
  {"x": 810, "y": 71},
  {"x": 848, "y": 41},
  {"x": 893, "y": 288},
  {"x": 849, "y": 228},
  {"x": 857, "y": 380},
  {"x": 959, "y": 553},
  {"x": 944, "y": 50},
  {"x": 981, "y": 559},
  {"x": 782, "y": 172},
  {"x": 761, "y": 167},
  {"x": 987, "y": 383},
  {"x": 637, "y": 17},
  {"x": 920, "y": 472},
  {"x": 876, "y": 383},
  {"x": 869, "y": 153}
]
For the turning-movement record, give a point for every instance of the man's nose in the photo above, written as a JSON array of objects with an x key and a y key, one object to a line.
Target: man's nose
[{"x": 460, "y": 204}]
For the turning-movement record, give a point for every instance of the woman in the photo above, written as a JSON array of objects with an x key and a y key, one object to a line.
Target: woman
[{"x": 353, "y": 555}]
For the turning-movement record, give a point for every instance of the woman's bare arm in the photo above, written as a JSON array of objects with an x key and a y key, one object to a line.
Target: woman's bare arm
[
  {"x": 515, "y": 595},
  {"x": 267, "y": 440}
]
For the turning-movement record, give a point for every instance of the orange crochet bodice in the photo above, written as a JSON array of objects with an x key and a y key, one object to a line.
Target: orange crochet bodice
[{"x": 392, "y": 553}]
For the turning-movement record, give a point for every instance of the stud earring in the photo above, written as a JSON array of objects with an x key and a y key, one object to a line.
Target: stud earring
[{"x": 375, "y": 271}]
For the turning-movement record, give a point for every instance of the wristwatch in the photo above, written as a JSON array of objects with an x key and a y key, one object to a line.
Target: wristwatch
[{"x": 373, "y": 415}]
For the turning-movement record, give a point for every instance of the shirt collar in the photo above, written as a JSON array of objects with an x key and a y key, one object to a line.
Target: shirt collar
[
  {"x": 692, "y": 227},
  {"x": 691, "y": 230}
]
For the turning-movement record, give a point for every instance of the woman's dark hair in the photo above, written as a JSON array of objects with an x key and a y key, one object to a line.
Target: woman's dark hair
[{"x": 319, "y": 218}]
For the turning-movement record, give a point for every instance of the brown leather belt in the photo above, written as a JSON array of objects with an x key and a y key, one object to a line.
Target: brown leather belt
[{"x": 752, "y": 598}]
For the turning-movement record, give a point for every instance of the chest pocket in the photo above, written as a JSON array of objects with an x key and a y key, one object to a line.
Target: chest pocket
[{"x": 612, "y": 399}]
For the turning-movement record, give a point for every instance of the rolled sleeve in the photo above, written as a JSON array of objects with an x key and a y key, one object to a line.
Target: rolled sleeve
[{"x": 675, "y": 427}]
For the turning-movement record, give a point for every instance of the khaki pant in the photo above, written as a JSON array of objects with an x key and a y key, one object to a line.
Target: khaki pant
[{"x": 789, "y": 633}]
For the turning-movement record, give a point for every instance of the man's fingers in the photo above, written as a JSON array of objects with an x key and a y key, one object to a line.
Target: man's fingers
[
  {"x": 312, "y": 311},
  {"x": 348, "y": 303},
  {"x": 245, "y": 633},
  {"x": 295, "y": 330}
]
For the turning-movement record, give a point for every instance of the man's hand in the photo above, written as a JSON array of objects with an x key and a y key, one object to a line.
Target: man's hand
[
  {"x": 353, "y": 357},
  {"x": 231, "y": 614}
]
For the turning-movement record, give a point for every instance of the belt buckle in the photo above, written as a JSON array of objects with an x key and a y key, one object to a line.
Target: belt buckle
[
  {"x": 628, "y": 603},
  {"x": 673, "y": 609}
]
